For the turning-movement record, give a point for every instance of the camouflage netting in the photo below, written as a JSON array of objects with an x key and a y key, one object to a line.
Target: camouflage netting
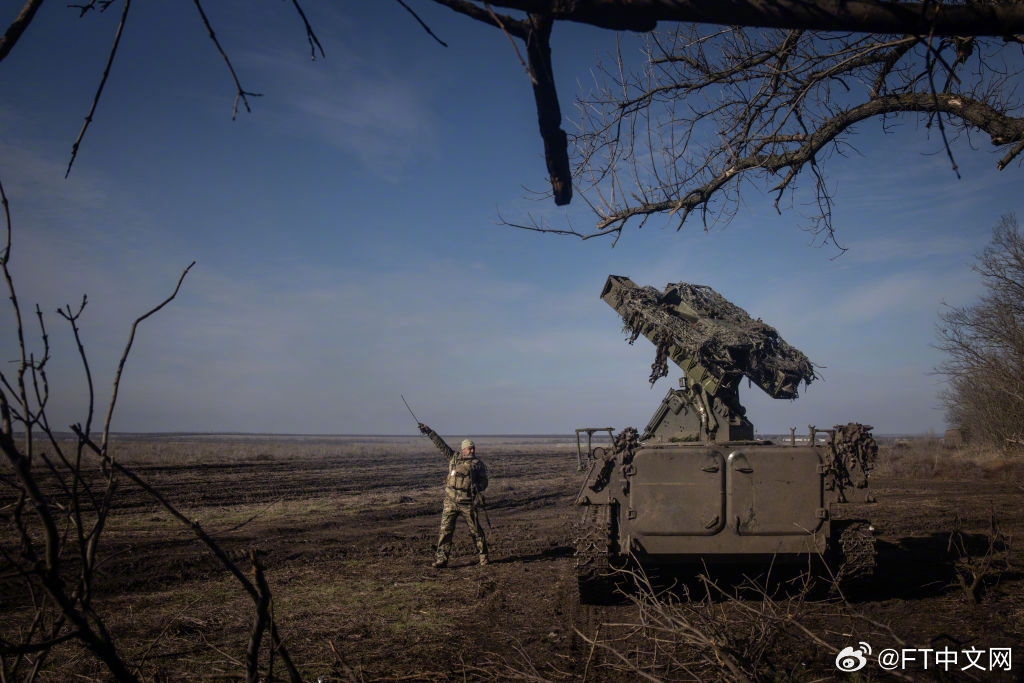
[
  {"x": 723, "y": 337},
  {"x": 853, "y": 453}
]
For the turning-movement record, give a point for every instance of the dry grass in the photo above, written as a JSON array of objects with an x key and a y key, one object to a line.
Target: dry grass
[
  {"x": 326, "y": 510},
  {"x": 187, "y": 449},
  {"x": 925, "y": 458}
]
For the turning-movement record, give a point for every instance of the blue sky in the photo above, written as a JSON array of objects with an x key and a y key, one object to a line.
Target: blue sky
[{"x": 348, "y": 249}]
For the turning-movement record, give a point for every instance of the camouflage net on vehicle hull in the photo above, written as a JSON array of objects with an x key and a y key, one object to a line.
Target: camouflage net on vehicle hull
[
  {"x": 719, "y": 335},
  {"x": 852, "y": 455}
]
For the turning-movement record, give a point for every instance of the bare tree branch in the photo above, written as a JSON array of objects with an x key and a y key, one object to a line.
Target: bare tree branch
[
  {"x": 252, "y": 654},
  {"x": 18, "y": 26},
  {"x": 99, "y": 90},
  {"x": 549, "y": 115},
  {"x": 127, "y": 350},
  {"x": 240, "y": 92},
  {"x": 252, "y": 588},
  {"x": 89, "y": 6},
  {"x": 872, "y": 16},
  {"x": 1000, "y": 127},
  {"x": 535, "y": 31},
  {"x": 516, "y": 27},
  {"x": 421, "y": 22},
  {"x": 955, "y": 25},
  {"x": 501, "y": 25},
  {"x": 710, "y": 113},
  {"x": 314, "y": 42}
]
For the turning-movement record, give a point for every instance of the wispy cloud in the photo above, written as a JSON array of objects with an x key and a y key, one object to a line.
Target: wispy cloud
[
  {"x": 30, "y": 176},
  {"x": 382, "y": 117},
  {"x": 909, "y": 191},
  {"x": 907, "y": 248},
  {"x": 900, "y": 293}
]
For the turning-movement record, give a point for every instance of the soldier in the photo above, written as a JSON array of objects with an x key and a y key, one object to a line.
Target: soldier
[{"x": 467, "y": 477}]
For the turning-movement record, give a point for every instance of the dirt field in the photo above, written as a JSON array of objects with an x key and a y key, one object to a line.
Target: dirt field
[{"x": 348, "y": 524}]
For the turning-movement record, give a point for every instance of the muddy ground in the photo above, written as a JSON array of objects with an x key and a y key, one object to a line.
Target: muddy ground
[{"x": 347, "y": 527}]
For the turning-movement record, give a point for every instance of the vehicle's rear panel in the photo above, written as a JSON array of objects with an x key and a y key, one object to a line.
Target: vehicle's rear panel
[{"x": 732, "y": 499}]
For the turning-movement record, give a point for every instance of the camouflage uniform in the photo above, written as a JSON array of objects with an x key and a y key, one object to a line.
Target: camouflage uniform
[{"x": 467, "y": 476}]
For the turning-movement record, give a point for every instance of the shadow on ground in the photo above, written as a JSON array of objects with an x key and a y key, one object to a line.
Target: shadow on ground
[
  {"x": 554, "y": 553},
  {"x": 910, "y": 568}
]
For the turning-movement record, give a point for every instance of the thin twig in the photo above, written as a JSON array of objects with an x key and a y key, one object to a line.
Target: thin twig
[
  {"x": 124, "y": 358},
  {"x": 930, "y": 66},
  {"x": 501, "y": 25},
  {"x": 159, "y": 636},
  {"x": 1005, "y": 161},
  {"x": 240, "y": 93},
  {"x": 632, "y": 668},
  {"x": 252, "y": 653},
  {"x": 314, "y": 42},
  {"x": 341, "y": 662},
  {"x": 425, "y": 27},
  {"x": 590, "y": 655},
  {"x": 259, "y": 512},
  {"x": 99, "y": 90}
]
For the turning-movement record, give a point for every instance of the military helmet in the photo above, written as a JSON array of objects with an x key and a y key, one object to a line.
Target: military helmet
[{"x": 467, "y": 443}]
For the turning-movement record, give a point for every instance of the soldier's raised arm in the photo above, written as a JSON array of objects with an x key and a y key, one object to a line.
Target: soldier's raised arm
[{"x": 445, "y": 449}]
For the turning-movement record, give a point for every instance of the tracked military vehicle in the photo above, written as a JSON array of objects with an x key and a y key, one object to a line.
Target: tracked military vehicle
[{"x": 696, "y": 486}]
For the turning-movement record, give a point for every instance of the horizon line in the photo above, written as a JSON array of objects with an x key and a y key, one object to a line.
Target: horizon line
[{"x": 65, "y": 434}]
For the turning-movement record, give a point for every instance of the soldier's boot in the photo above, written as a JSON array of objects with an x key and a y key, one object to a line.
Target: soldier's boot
[
  {"x": 440, "y": 562},
  {"x": 481, "y": 546}
]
